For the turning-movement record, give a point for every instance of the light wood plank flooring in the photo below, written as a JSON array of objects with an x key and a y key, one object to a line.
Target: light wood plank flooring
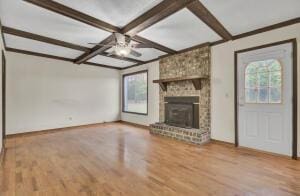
[{"x": 119, "y": 159}]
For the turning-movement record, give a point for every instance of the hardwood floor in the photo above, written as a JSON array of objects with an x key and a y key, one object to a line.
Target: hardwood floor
[{"x": 119, "y": 159}]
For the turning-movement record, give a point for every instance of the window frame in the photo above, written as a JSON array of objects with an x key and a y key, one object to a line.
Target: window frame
[
  {"x": 281, "y": 86},
  {"x": 123, "y": 97}
]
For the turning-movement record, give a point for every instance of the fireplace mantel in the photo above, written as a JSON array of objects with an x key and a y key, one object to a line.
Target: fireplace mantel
[{"x": 196, "y": 80}]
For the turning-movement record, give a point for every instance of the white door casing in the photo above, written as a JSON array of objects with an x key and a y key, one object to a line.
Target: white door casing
[{"x": 266, "y": 126}]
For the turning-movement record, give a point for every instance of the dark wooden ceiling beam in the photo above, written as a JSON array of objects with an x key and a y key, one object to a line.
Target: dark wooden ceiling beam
[
  {"x": 235, "y": 37},
  {"x": 109, "y": 40},
  {"x": 209, "y": 19},
  {"x": 37, "y": 54},
  {"x": 95, "y": 50},
  {"x": 167, "y": 55},
  {"x": 268, "y": 28},
  {"x": 138, "y": 64},
  {"x": 149, "y": 18},
  {"x": 54, "y": 57},
  {"x": 2, "y": 34},
  {"x": 24, "y": 34},
  {"x": 100, "y": 50},
  {"x": 164, "y": 9},
  {"x": 154, "y": 15},
  {"x": 153, "y": 44},
  {"x": 71, "y": 13}
]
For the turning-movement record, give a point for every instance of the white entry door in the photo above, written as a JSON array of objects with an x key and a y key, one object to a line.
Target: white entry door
[{"x": 265, "y": 99}]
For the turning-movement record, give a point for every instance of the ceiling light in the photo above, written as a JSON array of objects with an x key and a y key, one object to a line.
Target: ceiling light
[{"x": 122, "y": 50}]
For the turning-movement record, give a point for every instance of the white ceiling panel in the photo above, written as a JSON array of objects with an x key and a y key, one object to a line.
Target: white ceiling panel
[
  {"x": 27, "y": 17},
  {"x": 180, "y": 30},
  {"x": 115, "y": 12},
  {"x": 110, "y": 61},
  {"x": 243, "y": 16},
  {"x": 147, "y": 53},
  {"x": 40, "y": 47}
]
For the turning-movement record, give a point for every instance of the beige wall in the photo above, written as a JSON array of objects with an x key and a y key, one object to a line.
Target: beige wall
[
  {"x": 45, "y": 93},
  {"x": 153, "y": 95},
  {"x": 223, "y": 78}
]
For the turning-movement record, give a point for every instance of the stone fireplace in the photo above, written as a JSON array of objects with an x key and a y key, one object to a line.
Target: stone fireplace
[{"x": 184, "y": 110}]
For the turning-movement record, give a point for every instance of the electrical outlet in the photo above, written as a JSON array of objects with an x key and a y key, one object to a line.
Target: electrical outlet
[{"x": 70, "y": 118}]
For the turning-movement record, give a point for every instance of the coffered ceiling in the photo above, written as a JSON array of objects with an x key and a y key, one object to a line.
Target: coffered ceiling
[
  {"x": 41, "y": 47},
  {"x": 116, "y": 12},
  {"x": 24, "y": 16},
  {"x": 63, "y": 28},
  {"x": 247, "y": 15},
  {"x": 180, "y": 30}
]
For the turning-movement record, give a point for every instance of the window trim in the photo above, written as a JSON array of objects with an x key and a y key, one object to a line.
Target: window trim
[
  {"x": 281, "y": 86},
  {"x": 123, "y": 105}
]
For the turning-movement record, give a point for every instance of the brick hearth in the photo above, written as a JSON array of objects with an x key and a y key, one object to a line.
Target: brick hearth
[{"x": 195, "y": 136}]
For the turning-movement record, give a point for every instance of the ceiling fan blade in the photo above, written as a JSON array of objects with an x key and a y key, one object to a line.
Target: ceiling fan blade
[
  {"x": 111, "y": 53},
  {"x": 142, "y": 45},
  {"x": 135, "y": 53},
  {"x": 98, "y": 44}
]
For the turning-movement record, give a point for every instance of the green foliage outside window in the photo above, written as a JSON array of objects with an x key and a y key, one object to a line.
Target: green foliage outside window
[
  {"x": 263, "y": 82},
  {"x": 135, "y": 93}
]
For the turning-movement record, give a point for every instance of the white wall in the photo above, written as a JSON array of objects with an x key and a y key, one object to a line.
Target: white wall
[
  {"x": 45, "y": 93},
  {"x": 153, "y": 96},
  {"x": 223, "y": 78}
]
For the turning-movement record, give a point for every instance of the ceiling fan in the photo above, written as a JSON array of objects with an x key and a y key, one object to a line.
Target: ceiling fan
[{"x": 123, "y": 46}]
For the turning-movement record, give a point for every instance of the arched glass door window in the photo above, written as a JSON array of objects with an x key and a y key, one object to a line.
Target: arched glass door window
[{"x": 263, "y": 82}]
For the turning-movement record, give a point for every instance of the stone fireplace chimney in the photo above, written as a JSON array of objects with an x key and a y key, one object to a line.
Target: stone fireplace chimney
[{"x": 179, "y": 75}]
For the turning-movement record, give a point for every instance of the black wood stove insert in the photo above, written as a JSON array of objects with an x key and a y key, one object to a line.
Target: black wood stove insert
[{"x": 182, "y": 111}]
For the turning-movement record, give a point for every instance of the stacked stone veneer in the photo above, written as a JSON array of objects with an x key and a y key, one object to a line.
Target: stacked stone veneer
[{"x": 192, "y": 63}]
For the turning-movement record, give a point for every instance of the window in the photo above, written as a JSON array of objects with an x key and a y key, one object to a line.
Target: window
[
  {"x": 263, "y": 82},
  {"x": 135, "y": 92}
]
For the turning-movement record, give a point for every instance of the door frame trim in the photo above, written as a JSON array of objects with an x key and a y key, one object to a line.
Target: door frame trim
[
  {"x": 295, "y": 96},
  {"x": 3, "y": 73},
  {"x": 3, "y": 96}
]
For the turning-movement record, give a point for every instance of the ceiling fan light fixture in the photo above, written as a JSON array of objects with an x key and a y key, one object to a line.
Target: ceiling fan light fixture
[{"x": 122, "y": 50}]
